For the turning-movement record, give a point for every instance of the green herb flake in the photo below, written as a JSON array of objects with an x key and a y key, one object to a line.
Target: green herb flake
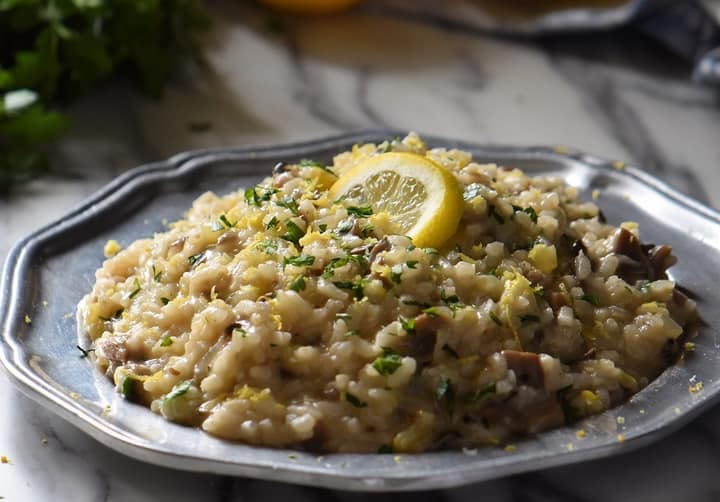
[
  {"x": 164, "y": 300},
  {"x": 539, "y": 292},
  {"x": 361, "y": 212},
  {"x": 273, "y": 223},
  {"x": 301, "y": 260},
  {"x": 388, "y": 362},
  {"x": 412, "y": 264},
  {"x": 367, "y": 231},
  {"x": 529, "y": 318},
  {"x": 267, "y": 246},
  {"x": 335, "y": 263},
  {"x": 178, "y": 390},
  {"x": 354, "y": 400},
  {"x": 495, "y": 318},
  {"x": 157, "y": 275},
  {"x": 482, "y": 394},
  {"x": 294, "y": 233},
  {"x": 84, "y": 352},
  {"x": 431, "y": 311},
  {"x": 226, "y": 223},
  {"x": 251, "y": 197},
  {"x": 396, "y": 273},
  {"x": 408, "y": 325},
  {"x": 450, "y": 351},
  {"x": 322, "y": 227},
  {"x": 319, "y": 165},
  {"x": 357, "y": 287},
  {"x": 351, "y": 333},
  {"x": 290, "y": 204},
  {"x": 298, "y": 284},
  {"x": 196, "y": 259},
  {"x": 431, "y": 251},
  {"x": 166, "y": 341},
  {"x": 137, "y": 289},
  {"x": 592, "y": 299}
]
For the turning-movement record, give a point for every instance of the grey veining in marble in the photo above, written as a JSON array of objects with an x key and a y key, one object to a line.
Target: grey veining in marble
[{"x": 615, "y": 94}]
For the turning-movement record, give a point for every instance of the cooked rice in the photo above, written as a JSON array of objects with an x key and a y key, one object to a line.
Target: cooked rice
[{"x": 275, "y": 317}]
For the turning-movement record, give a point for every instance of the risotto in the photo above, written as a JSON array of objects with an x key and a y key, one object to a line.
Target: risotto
[{"x": 281, "y": 316}]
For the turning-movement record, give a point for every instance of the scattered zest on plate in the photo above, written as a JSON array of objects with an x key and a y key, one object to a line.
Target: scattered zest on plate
[{"x": 397, "y": 300}]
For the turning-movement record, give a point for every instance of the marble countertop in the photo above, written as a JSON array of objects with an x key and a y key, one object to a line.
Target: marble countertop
[{"x": 613, "y": 94}]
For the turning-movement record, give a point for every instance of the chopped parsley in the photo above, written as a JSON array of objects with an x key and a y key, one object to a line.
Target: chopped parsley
[
  {"x": 84, "y": 352},
  {"x": 482, "y": 394},
  {"x": 495, "y": 318},
  {"x": 356, "y": 287},
  {"x": 301, "y": 260},
  {"x": 431, "y": 311},
  {"x": 157, "y": 275},
  {"x": 312, "y": 163},
  {"x": 274, "y": 222},
  {"x": 294, "y": 233},
  {"x": 298, "y": 284},
  {"x": 322, "y": 227},
  {"x": 388, "y": 362},
  {"x": 251, "y": 197},
  {"x": 289, "y": 203},
  {"x": 137, "y": 289},
  {"x": 267, "y": 246},
  {"x": 166, "y": 341},
  {"x": 196, "y": 259},
  {"x": 164, "y": 300},
  {"x": 539, "y": 292},
  {"x": 354, "y": 400},
  {"x": 352, "y": 332},
  {"x": 528, "y": 318},
  {"x": 492, "y": 212},
  {"x": 367, "y": 231},
  {"x": 450, "y": 351},
  {"x": 411, "y": 264},
  {"x": 592, "y": 299},
  {"x": 408, "y": 325},
  {"x": 527, "y": 210},
  {"x": 396, "y": 273},
  {"x": 361, "y": 212},
  {"x": 431, "y": 251},
  {"x": 335, "y": 263},
  {"x": 179, "y": 390},
  {"x": 416, "y": 303}
]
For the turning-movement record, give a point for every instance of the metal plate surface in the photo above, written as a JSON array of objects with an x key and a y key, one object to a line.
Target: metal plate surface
[{"x": 47, "y": 273}]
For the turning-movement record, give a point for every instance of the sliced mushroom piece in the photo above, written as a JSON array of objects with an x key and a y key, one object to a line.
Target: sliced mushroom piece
[
  {"x": 382, "y": 245},
  {"x": 421, "y": 344},
  {"x": 527, "y": 367},
  {"x": 661, "y": 259}
]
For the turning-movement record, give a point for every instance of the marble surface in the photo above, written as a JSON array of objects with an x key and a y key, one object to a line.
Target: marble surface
[{"x": 613, "y": 94}]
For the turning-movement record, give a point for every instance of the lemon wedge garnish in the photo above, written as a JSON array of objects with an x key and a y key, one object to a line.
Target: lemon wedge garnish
[{"x": 421, "y": 199}]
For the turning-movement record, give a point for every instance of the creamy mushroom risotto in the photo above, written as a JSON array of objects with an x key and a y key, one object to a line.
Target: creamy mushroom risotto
[{"x": 401, "y": 299}]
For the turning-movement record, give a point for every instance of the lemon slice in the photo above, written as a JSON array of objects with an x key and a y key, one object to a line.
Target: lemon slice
[{"x": 421, "y": 198}]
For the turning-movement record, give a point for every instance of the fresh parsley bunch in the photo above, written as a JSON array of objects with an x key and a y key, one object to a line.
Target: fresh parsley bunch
[{"x": 54, "y": 50}]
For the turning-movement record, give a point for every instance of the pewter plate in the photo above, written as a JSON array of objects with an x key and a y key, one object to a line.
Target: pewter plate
[{"x": 48, "y": 272}]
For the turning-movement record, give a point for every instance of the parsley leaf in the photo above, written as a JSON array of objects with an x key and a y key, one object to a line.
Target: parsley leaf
[
  {"x": 361, "y": 212},
  {"x": 301, "y": 260},
  {"x": 388, "y": 362},
  {"x": 354, "y": 400},
  {"x": 293, "y": 234}
]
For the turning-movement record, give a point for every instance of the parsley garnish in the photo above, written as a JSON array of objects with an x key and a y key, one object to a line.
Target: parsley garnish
[
  {"x": 408, "y": 325},
  {"x": 593, "y": 299},
  {"x": 157, "y": 275},
  {"x": 361, "y": 212},
  {"x": 298, "y": 284},
  {"x": 431, "y": 251},
  {"x": 356, "y": 286},
  {"x": 272, "y": 223},
  {"x": 539, "y": 292},
  {"x": 251, "y": 197},
  {"x": 322, "y": 227},
  {"x": 301, "y": 260},
  {"x": 164, "y": 300},
  {"x": 352, "y": 332},
  {"x": 412, "y": 264},
  {"x": 289, "y": 203},
  {"x": 528, "y": 210},
  {"x": 482, "y": 394},
  {"x": 196, "y": 259},
  {"x": 84, "y": 352},
  {"x": 267, "y": 246},
  {"x": 166, "y": 341},
  {"x": 179, "y": 390},
  {"x": 312, "y": 163},
  {"x": 137, "y": 289},
  {"x": 495, "y": 318},
  {"x": 396, "y": 273},
  {"x": 431, "y": 311},
  {"x": 294, "y": 233},
  {"x": 354, "y": 400},
  {"x": 367, "y": 231},
  {"x": 388, "y": 362}
]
